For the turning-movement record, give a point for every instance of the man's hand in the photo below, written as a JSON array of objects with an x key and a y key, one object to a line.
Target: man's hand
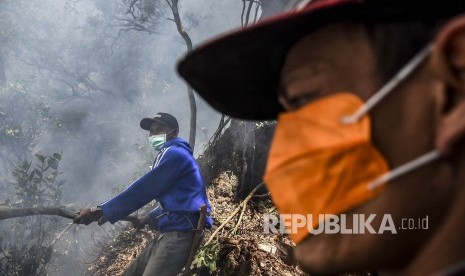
[{"x": 87, "y": 216}]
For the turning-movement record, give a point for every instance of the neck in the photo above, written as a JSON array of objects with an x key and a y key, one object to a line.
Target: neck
[
  {"x": 445, "y": 249},
  {"x": 169, "y": 138}
]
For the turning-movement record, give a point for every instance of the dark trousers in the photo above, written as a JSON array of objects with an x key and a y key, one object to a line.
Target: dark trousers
[
  {"x": 170, "y": 254},
  {"x": 167, "y": 257}
]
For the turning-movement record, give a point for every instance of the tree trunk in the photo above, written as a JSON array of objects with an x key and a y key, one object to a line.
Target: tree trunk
[
  {"x": 241, "y": 149},
  {"x": 190, "y": 91}
]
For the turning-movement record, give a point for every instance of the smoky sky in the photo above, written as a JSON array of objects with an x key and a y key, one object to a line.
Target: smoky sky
[
  {"x": 99, "y": 78},
  {"x": 65, "y": 48}
]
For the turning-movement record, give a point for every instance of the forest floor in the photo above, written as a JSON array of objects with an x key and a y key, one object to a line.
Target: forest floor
[{"x": 241, "y": 247}]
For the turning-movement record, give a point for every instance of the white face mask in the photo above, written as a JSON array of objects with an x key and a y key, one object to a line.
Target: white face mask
[{"x": 157, "y": 141}]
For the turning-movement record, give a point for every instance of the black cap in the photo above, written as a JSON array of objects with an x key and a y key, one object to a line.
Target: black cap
[
  {"x": 163, "y": 118},
  {"x": 238, "y": 73}
]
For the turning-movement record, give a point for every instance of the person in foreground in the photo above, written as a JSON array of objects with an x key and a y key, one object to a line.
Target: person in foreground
[
  {"x": 369, "y": 98},
  {"x": 175, "y": 181}
]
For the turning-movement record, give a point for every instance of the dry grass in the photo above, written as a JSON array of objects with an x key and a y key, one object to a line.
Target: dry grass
[{"x": 239, "y": 253}]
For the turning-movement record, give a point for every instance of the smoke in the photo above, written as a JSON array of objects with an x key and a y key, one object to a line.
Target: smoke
[
  {"x": 102, "y": 81},
  {"x": 99, "y": 78}
]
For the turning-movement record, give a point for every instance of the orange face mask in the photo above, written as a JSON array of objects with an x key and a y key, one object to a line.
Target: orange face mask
[
  {"x": 322, "y": 160},
  {"x": 318, "y": 165}
]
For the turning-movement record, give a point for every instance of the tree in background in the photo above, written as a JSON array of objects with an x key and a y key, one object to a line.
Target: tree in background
[
  {"x": 26, "y": 243},
  {"x": 70, "y": 63},
  {"x": 77, "y": 81},
  {"x": 23, "y": 120},
  {"x": 5, "y": 32}
]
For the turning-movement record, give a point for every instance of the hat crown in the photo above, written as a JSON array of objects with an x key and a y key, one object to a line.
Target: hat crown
[
  {"x": 167, "y": 119},
  {"x": 161, "y": 117}
]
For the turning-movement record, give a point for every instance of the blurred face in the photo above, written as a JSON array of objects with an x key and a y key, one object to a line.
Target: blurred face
[
  {"x": 158, "y": 128},
  {"x": 339, "y": 58}
]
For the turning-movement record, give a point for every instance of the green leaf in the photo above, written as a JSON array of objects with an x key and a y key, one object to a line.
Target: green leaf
[
  {"x": 53, "y": 163},
  {"x": 31, "y": 176},
  {"x": 26, "y": 165},
  {"x": 57, "y": 156},
  {"x": 40, "y": 157},
  {"x": 195, "y": 263},
  {"x": 37, "y": 172},
  {"x": 212, "y": 266}
]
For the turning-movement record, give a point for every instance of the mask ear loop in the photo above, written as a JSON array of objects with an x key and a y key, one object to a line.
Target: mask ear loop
[
  {"x": 405, "y": 168},
  {"x": 166, "y": 134},
  {"x": 375, "y": 99},
  {"x": 389, "y": 86}
]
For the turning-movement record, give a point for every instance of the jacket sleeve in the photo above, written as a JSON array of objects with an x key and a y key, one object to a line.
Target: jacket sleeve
[{"x": 150, "y": 186}]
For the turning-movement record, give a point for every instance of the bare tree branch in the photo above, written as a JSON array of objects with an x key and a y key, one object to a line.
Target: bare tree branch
[
  {"x": 134, "y": 25},
  {"x": 242, "y": 14},
  {"x": 146, "y": 20},
  {"x": 190, "y": 92},
  {"x": 7, "y": 213},
  {"x": 131, "y": 5},
  {"x": 248, "y": 13},
  {"x": 256, "y": 12},
  {"x": 238, "y": 208},
  {"x": 249, "y": 8}
]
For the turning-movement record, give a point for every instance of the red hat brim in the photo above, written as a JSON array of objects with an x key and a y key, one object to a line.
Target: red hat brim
[{"x": 238, "y": 73}]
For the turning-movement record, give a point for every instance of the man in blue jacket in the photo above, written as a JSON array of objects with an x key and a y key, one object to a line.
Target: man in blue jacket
[{"x": 176, "y": 183}]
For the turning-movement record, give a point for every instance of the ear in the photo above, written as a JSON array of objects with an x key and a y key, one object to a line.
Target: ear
[
  {"x": 448, "y": 55},
  {"x": 448, "y": 61}
]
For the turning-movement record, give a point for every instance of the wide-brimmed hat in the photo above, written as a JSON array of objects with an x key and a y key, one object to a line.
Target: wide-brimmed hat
[
  {"x": 238, "y": 73},
  {"x": 163, "y": 118}
]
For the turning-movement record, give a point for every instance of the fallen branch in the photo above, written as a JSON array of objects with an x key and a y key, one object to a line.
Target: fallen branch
[
  {"x": 233, "y": 213},
  {"x": 260, "y": 246},
  {"x": 262, "y": 195},
  {"x": 6, "y": 213},
  {"x": 229, "y": 241},
  {"x": 239, "y": 220}
]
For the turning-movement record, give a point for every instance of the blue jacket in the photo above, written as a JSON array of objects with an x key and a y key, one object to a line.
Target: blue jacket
[{"x": 175, "y": 182}]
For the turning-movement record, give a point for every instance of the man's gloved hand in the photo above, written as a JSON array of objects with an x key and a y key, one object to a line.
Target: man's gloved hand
[{"x": 87, "y": 216}]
